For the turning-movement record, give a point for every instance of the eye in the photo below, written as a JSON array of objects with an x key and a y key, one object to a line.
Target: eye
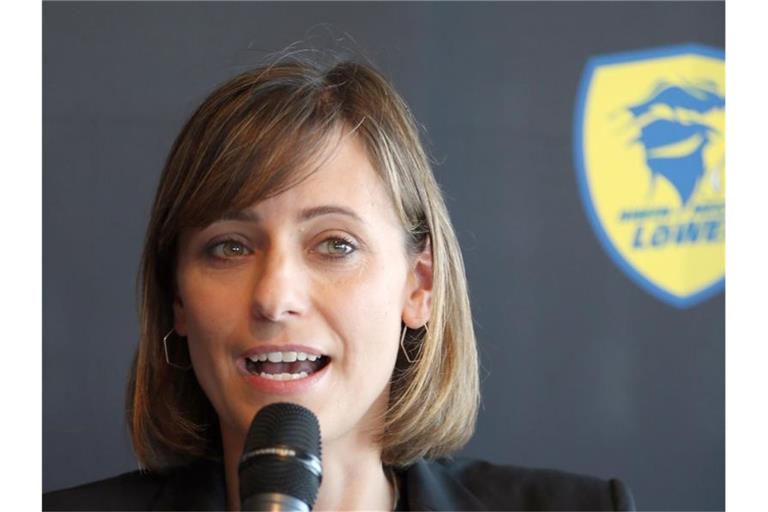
[
  {"x": 337, "y": 247},
  {"x": 228, "y": 249}
]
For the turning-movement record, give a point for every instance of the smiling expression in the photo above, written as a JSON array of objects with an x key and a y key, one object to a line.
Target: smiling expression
[{"x": 319, "y": 270}]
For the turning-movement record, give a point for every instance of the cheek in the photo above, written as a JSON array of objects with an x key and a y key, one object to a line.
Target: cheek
[
  {"x": 367, "y": 311},
  {"x": 367, "y": 323},
  {"x": 212, "y": 313},
  {"x": 210, "y": 309}
]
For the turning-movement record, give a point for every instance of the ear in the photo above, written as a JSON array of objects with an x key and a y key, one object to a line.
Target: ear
[
  {"x": 179, "y": 316},
  {"x": 418, "y": 302}
]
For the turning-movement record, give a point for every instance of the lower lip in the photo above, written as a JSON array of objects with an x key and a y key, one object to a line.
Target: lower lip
[{"x": 283, "y": 387}]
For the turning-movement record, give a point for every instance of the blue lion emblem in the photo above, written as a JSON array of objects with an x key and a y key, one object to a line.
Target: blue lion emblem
[{"x": 660, "y": 136}]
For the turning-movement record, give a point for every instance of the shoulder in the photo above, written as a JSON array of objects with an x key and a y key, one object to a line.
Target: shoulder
[
  {"x": 195, "y": 486},
  {"x": 477, "y": 485},
  {"x": 129, "y": 491}
]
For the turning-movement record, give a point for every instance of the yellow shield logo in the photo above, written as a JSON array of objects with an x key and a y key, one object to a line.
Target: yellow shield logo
[{"x": 649, "y": 144}]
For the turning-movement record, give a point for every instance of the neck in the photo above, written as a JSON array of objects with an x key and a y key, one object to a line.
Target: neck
[{"x": 353, "y": 476}]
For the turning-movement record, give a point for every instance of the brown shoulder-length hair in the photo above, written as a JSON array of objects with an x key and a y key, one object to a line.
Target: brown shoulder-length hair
[{"x": 252, "y": 138}]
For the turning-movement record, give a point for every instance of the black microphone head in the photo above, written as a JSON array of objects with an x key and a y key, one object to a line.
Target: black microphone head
[{"x": 282, "y": 454}]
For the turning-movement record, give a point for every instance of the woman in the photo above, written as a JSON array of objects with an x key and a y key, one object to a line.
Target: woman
[{"x": 299, "y": 250}]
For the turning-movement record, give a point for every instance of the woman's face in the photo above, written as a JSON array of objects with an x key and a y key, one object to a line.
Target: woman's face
[{"x": 319, "y": 270}]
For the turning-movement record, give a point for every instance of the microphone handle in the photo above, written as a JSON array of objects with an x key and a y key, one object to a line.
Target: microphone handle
[{"x": 274, "y": 502}]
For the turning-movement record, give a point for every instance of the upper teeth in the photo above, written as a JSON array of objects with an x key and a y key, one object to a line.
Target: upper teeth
[{"x": 284, "y": 357}]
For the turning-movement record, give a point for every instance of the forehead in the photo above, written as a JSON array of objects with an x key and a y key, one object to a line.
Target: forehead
[{"x": 345, "y": 177}]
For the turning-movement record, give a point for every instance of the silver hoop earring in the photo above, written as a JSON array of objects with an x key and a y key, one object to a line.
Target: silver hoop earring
[
  {"x": 402, "y": 344},
  {"x": 168, "y": 359}
]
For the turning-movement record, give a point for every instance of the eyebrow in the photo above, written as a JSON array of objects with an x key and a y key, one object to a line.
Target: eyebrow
[{"x": 304, "y": 215}]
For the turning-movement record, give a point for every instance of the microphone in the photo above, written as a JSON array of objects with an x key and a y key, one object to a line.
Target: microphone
[{"x": 280, "y": 469}]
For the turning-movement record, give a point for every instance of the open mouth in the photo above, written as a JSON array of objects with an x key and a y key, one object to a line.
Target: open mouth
[{"x": 285, "y": 365}]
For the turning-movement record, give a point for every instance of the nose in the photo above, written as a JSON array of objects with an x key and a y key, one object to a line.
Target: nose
[{"x": 279, "y": 290}]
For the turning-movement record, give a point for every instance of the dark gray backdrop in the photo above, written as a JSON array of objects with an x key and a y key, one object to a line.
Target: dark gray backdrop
[{"x": 582, "y": 370}]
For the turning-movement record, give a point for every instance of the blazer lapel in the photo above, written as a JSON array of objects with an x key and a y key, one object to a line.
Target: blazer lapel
[
  {"x": 430, "y": 486},
  {"x": 201, "y": 486},
  {"x": 197, "y": 487}
]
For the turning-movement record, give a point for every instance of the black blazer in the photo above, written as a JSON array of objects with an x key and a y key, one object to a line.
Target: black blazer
[{"x": 460, "y": 484}]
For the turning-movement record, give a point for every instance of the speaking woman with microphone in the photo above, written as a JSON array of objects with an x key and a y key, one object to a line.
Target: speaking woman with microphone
[{"x": 299, "y": 250}]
